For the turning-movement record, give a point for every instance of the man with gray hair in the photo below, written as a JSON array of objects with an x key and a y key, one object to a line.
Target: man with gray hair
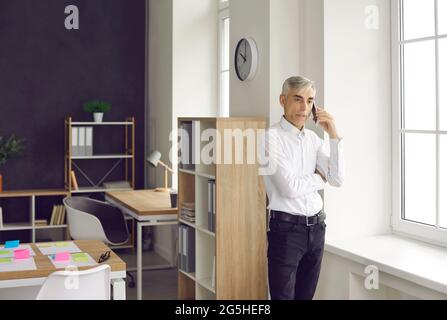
[{"x": 302, "y": 166}]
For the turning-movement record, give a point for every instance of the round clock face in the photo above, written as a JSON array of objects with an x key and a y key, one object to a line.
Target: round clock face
[{"x": 246, "y": 59}]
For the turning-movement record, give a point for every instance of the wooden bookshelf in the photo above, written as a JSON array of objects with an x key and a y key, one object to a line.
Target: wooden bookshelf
[{"x": 237, "y": 248}]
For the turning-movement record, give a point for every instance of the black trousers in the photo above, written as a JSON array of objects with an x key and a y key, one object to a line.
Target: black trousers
[{"x": 295, "y": 252}]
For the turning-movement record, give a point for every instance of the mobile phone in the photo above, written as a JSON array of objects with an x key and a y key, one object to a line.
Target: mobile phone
[{"x": 314, "y": 113}]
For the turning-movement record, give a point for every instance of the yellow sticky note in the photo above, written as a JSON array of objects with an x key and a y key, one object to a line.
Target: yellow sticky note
[
  {"x": 79, "y": 257},
  {"x": 62, "y": 244},
  {"x": 44, "y": 245},
  {"x": 5, "y": 260},
  {"x": 3, "y": 252}
]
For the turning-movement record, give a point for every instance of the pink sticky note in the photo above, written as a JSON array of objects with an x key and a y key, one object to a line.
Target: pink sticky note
[
  {"x": 21, "y": 254},
  {"x": 62, "y": 256}
]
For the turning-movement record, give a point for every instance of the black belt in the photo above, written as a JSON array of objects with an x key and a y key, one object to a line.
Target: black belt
[{"x": 298, "y": 219}]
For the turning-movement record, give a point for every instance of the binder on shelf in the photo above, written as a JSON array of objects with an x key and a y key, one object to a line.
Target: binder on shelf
[
  {"x": 213, "y": 274},
  {"x": 1, "y": 218},
  {"x": 184, "y": 248},
  {"x": 186, "y": 146},
  {"x": 190, "y": 250},
  {"x": 180, "y": 246},
  {"x": 210, "y": 205},
  {"x": 74, "y": 181},
  {"x": 81, "y": 141},
  {"x": 53, "y": 215},
  {"x": 74, "y": 141},
  {"x": 214, "y": 206},
  {"x": 89, "y": 141}
]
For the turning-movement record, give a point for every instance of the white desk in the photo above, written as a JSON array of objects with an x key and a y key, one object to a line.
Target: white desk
[
  {"x": 44, "y": 268},
  {"x": 148, "y": 208}
]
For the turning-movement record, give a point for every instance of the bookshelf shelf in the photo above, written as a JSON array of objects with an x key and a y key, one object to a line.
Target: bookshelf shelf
[
  {"x": 105, "y": 156},
  {"x": 80, "y": 149},
  {"x": 230, "y": 216},
  {"x": 39, "y": 201},
  {"x": 124, "y": 123}
]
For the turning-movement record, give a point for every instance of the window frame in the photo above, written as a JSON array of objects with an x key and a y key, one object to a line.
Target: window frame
[
  {"x": 419, "y": 231},
  {"x": 224, "y": 13}
]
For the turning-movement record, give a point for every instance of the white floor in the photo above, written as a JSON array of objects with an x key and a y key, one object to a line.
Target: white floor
[{"x": 157, "y": 284}]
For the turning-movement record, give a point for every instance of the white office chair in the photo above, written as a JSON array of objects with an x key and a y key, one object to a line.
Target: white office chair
[
  {"x": 90, "y": 219},
  {"x": 91, "y": 284}
]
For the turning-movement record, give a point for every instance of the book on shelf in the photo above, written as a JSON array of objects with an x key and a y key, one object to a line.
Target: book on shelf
[
  {"x": 81, "y": 141},
  {"x": 74, "y": 141},
  {"x": 89, "y": 141},
  {"x": 1, "y": 217},
  {"x": 187, "y": 212},
  {"x": 186, "y": 151},
  {"x": 57, "y": 215},
  {"x": 74, "y": 181},
  {"x": 213, "y": 274},
  {"x": 212, "y": 205},
  {"x": 187, "y": 255},
  {"x": 41, "y": 222}
]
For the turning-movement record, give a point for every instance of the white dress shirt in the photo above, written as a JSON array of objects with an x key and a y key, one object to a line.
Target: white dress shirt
[{"x": 292, "y": 157}]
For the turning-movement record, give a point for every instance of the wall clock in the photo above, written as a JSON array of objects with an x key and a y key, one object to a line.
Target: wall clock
[{"x": 246, "y": 59}]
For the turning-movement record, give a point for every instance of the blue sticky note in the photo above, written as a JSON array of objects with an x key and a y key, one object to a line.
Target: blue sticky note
[{"x": 12, "y": 244}]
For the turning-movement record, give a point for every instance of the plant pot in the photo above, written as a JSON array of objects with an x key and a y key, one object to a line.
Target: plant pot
[
  {"x": 1, "y": 183},
  {"x": 97, "y": 116}
]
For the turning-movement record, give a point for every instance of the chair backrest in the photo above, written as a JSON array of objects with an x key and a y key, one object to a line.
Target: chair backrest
[
  {"x": 90, "y": 219},
  {"x": 91, "y": 284}
]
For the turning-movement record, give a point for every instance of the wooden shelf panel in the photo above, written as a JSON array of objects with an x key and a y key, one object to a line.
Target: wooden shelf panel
[
  {"x": 57, "y": 226},
  {"x": 17, "y": 226},
  {"x": 192, "y": 225},
  {"x": 126, "y": 123},
  {"x": 191, "y": 275},
  {"x": 103, "y": 156},
  {"x": 30, "y": 193},
  {"x": 207, "y": 283}
]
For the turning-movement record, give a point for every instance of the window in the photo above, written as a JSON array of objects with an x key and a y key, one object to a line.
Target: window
[
  {"x": 420, "y": 118},
  {"x": 224, "y": 58}
]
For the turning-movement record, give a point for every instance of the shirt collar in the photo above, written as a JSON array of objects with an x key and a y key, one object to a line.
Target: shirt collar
[{"x": 287, "y": 126}]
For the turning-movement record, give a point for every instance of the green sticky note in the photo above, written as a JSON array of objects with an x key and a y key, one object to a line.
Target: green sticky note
[
  {"x": 62, "y": 244},
  {"x": 45, "y": 245},
  {"x": 79, "y": 257},
  {"x": 3, "y": 252},
  {"x": 5, "y": 260}
]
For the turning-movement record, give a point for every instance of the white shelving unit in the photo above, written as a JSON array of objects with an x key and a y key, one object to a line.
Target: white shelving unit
[
  {"x": 240, "y": 229},
  {"x": 31, "y": 196},
  {"x": 128, "y": 156}
]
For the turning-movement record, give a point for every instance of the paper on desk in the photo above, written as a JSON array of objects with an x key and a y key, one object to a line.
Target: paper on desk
[
  {"x": 76, "y": 259},
  {"x": 57, "y": 247},
  {"x": 9, "y": 253},
  {"x": 17, "y": 265}
]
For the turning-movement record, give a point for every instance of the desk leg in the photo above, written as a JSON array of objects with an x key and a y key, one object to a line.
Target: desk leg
[
  {"x": 119, "y": 289},
  {"x": 139, "y": 261}
]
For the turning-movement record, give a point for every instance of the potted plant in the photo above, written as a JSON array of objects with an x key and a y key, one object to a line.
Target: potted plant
[
  {"x": 98, "y": 108},
  {"x": 8, "y": 148}
]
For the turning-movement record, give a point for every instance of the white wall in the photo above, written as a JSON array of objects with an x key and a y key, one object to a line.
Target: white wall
[
  {"x": 358, "y": 92},
  {"x": 182, "y": 80},
  {"x": 250, "y": 18}
]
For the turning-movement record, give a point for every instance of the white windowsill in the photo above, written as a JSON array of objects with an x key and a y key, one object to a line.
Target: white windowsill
[{"x": 401, "y": 257}]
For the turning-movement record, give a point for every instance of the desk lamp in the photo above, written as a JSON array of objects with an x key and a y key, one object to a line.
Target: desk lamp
[{"x": 154, "y": 160}]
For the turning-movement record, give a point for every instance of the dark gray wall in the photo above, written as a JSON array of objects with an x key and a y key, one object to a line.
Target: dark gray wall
[{"x": 48, "y": 72}]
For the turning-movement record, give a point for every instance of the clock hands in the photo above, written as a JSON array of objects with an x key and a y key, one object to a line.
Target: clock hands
[{"x": 245, "y": 59}]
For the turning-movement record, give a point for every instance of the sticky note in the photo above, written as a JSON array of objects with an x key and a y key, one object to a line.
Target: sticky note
[
  {"x": 21, "y": 254},
  {"x": 79, "y": 257},
  {"x": 12, "y": 244},
  {"x": 62, "y": 256},
  {"x": 3, "y": 252},
  {"x": 44, "y": 245},
  {"x": 62, "y": 244},
  {"x": 5, "y": 260}
]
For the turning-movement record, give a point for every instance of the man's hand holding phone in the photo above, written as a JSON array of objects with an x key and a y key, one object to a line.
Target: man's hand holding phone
[{"x": 325, "y": 120}]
